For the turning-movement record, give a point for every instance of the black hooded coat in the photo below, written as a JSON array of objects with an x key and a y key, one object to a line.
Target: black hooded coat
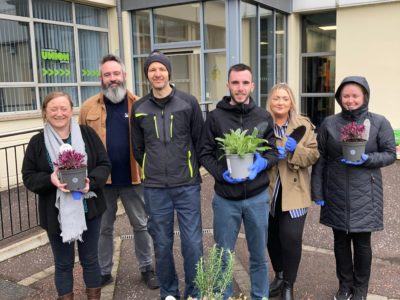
[{"x": 353, "y": 194}]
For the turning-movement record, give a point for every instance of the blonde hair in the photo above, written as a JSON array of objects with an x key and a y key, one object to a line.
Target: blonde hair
[
  {"x": 283, "y": 86},
  {"x": 51, "y": 96}
]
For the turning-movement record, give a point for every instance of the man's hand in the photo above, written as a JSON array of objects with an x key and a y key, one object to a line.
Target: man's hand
[
  {"x": 227, "y": 177},
  {"x": 259, "y": 165}
]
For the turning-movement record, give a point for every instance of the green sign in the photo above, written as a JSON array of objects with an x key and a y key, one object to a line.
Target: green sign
[
  {"x": 56, "y": 72},
  {"x": 51, "y": 54},
  {"x": 90, "y": 73}
]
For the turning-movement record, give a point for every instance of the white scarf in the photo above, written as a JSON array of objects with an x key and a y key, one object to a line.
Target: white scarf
[{"x": 71, "y": 212}]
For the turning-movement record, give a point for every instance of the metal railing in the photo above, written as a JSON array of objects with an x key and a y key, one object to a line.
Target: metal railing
[{"x": 18, "y": 206}]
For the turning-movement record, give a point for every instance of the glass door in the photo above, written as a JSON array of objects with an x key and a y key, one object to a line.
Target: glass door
[{"x": 185, "y": 70}]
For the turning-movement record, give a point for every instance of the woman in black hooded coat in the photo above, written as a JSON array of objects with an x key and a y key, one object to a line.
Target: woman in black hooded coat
[{"x": 351, "y": 194}]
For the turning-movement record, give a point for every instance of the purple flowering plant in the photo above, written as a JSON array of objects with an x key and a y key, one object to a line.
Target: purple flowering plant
[
  {"x": 70, "y": 159},
  {"x": 352, "y": 132}
]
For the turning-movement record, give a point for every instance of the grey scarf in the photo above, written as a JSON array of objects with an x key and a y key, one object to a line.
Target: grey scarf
[{"x": 71, "y": 212}]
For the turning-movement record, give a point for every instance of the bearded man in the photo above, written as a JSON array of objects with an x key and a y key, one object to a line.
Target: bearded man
[{"x": 108, "y": 114}]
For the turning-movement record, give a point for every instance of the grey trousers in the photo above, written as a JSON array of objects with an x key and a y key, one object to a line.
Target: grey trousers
[{"x": 132, "y": 199}]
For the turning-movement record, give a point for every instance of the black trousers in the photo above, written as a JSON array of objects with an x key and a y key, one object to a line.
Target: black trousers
[
  {"x": 353, "y": 269},
  {"x": 285, "y": 236}
]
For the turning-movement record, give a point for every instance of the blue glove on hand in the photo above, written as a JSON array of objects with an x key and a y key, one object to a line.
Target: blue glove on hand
[
  {"x": 363, "y": 159},
  {"x": 291, "y": 144},
  {"x": 77, "y": 195},
  {"x": 281, "y": 152},
  {"x": 227, "y": 177},
  {"x": 259, "y": 165},
  {"x": 320, "y": 202}
]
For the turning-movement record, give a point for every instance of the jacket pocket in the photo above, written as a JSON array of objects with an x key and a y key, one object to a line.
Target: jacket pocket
[
  {"x": 190, "y": 164},
  {"x": 156, "y": 126},
  {"x": 143, "y": 164}
]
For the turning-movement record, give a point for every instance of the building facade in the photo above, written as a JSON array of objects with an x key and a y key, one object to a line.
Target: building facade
[{"x": 48, "y": 45}]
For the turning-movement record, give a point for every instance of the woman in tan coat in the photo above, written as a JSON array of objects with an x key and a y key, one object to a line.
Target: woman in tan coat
[{"x": 289, "y": 188}]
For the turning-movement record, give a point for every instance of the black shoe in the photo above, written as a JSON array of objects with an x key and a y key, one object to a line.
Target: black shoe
[
  {"x": 287, "y": 291},
  {"x": 358, "y": 296},
  {"x": 106, "y": 279},
  {"x": 276, "y": 285},
  {"x": 151, "y": 279},
  {"x": 343, "y": 295}
]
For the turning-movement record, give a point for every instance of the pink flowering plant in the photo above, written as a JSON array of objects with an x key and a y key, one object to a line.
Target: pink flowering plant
[
  {"x": 70, "y": 159},
  {"x": 352, "y": 132}
]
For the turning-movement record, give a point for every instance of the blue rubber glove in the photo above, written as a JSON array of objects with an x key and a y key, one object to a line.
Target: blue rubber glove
[
  {"x": 259, "y": 165},
  {"x": 291, "y": 144},
  {"x": 227, "y": 177},
  {"x": 320, "y": 202},
  {"x": 363, "y": 159},
  {"x": 281, "y": 152},
  {"x": 76, "y": 195}
]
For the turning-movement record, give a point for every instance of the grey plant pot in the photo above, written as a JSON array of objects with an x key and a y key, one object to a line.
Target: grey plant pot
[
  {"x": 353, "y": 150},
  {"x": 75, "y": 178},
  {"x": 239, "y": 166}
]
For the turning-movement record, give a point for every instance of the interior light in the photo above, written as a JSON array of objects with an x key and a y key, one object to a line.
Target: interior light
[
  {"x": 331, "y": 27},
  {"x": 264, "y": 43},
  {"x": 280, "y": 32}
]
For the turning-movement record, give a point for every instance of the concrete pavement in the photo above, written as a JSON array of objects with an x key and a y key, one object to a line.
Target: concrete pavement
[{"x": 29, "y": 275}]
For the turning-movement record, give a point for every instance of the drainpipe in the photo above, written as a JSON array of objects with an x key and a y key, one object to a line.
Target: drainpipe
[{"x": 120, "y": 35}]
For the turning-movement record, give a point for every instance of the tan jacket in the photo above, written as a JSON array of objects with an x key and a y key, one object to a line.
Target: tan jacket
[
  {"x": 293, "y": 170},
  {"x": 93, "y": 113}
]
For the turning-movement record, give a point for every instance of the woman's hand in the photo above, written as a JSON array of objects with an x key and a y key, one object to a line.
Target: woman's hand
[
  {"x": 87, "y": 186},
  {"x": 57, "y": 183}
]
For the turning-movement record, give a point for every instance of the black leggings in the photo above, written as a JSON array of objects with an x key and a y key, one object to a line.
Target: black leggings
[
  {"x": 285, "y": 236},
  {"x": 353, "y": 274}
]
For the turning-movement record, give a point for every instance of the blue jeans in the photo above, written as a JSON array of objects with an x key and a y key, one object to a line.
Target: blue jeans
[
  {"x": 64, "y": 258},
  {"x": 160, "y": 206},
  {"x": 132, "y": 199},
  {"x": 228, "y": 216}
]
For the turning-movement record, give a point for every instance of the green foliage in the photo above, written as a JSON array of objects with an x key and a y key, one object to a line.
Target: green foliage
[
  {"x": 213, "y": 275},
  {"x": 397, "y": 136},
  {"x": 240, "y": 143}
]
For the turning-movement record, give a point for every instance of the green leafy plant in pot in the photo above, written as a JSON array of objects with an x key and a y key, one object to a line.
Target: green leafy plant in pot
[
  {"x": 239, "y": 148},
  {"x": 72, "y": 169},
  {"x": 353, "y": 139}
]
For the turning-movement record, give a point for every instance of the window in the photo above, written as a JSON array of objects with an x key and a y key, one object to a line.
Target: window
[
  {"x": 318, "y": 66},
  {"x": 24, "y": 79}
]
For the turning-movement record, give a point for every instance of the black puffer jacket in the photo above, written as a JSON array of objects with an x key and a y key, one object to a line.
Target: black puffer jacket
[
  {"x": 353, "y": 194},
  {"x": 220, "y": 121}
]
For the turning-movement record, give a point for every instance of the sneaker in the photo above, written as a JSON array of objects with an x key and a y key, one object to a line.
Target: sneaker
[
  {"x": 106, "y": 279},
  {"x": 342, "y": 295},
  {"x": 151, "y": 279},
  {"x": 357, "y": 296}
]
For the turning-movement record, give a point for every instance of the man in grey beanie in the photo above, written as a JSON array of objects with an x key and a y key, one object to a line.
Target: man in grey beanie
[{"x": 166, "y": 127}]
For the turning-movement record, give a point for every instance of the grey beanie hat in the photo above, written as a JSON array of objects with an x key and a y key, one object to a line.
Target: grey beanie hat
[{"x": 157, "y": 56}]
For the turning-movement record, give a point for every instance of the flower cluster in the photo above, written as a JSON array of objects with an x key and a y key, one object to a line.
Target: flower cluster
[
  {"x": 70, "y": 159},
  {"x": 352, "y": 132}
]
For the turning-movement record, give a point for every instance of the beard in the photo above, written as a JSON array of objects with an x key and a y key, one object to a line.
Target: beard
[
  {"x": 114, "y": 94},
  {"x": 236, "y": 102}
]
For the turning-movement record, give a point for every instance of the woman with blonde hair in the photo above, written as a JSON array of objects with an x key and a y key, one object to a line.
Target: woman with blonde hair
[{"x": 289, "y": 188}]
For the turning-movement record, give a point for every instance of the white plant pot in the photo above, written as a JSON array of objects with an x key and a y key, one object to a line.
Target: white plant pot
[{"x": 239, "y": 166}]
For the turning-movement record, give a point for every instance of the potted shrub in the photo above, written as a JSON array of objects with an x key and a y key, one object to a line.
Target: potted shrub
[
  {"x": 352, "y": 136},
  {"x": 72, "y": 168},
  {"x": 239, "y": 148}
]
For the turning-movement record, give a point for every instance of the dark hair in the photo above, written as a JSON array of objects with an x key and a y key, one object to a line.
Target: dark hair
[
  {"x": 112, "y": 57},
  {"x": 239, "y": 68},
  {"x": 51, "y": 96}
]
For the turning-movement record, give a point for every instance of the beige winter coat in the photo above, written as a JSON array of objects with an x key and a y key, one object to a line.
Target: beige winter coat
[{"x": 293, "y": 170}]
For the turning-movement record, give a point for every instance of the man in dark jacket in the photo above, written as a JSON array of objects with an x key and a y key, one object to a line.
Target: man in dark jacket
[
  {"x": 108, "y": 114},
  {"x": 166, "y": 128},
  {"x": 351, "y": 192},
  {"x": 247, "y": 198}
]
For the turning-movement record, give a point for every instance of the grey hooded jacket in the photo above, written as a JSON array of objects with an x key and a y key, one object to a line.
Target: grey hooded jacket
[{"x": 353, "y": 194}]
